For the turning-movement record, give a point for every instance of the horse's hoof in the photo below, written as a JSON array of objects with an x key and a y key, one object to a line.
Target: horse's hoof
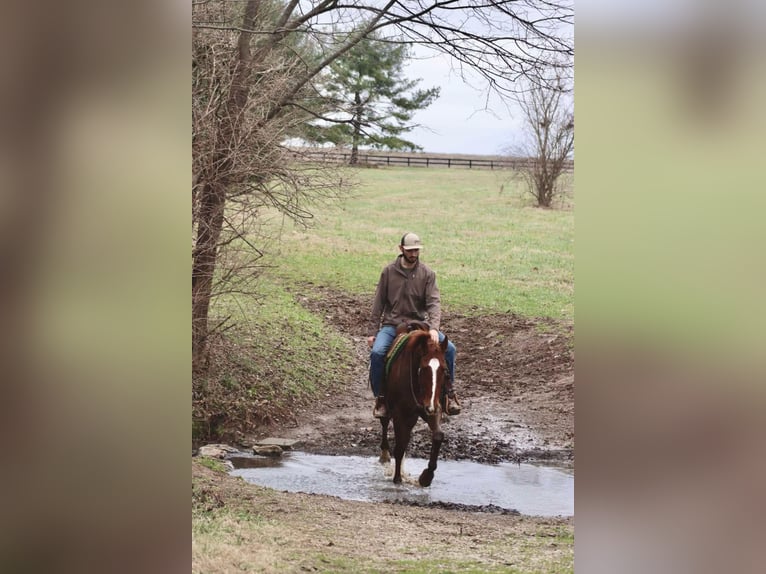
[
  {"x": 426, "y": 477},
  {"x": 384, "y": 457},
  {"x": 397, "y": 480}
]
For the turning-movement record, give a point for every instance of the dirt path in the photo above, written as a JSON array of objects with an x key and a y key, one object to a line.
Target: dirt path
[{"x": 515, "y": 378}]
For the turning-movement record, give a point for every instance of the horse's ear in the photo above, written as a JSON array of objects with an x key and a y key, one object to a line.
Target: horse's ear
[
  {"x": 422, "y": 340},
  {"x": 443, "y": 344}
]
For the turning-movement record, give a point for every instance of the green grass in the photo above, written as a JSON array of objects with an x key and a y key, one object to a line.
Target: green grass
[
  {"x": 493, "y": 250},
  {"x": 416, "y": 566},
  {"x": 212, "y": 464},
  {"x": 447, "y": 567},
  {"x": 311, "y": 354},
  {"x": 238, "y": 539},
  {"x": 219, "y": 522},
  {"x": 276, "y": 355}
]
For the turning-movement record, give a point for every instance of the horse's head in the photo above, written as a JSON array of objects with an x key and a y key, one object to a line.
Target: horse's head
[{"x": 431, "y": 370}]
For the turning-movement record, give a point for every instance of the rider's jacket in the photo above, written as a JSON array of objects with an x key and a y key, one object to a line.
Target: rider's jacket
[{"x": 405, "y": 294}]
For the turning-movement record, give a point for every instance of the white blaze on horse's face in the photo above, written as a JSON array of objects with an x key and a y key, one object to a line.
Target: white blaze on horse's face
[{"x": 434, "y": 364}]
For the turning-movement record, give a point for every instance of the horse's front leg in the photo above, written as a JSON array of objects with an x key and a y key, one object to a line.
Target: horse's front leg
[
  {"x": 402, "y": 434},
  {"x": 385, "y": 454},
  {"x": 437, "y": 437}
]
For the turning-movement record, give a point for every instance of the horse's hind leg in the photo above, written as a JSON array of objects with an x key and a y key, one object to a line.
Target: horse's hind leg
[
  {"x": 437, "y": 437},
  {"x": 385, "y": 455}
]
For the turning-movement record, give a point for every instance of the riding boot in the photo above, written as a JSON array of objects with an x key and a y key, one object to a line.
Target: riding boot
[
  {"x": 453, "y": 405},
  {"x": 380, "y": 411}
]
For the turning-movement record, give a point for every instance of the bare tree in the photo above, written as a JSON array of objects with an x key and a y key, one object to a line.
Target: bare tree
[
  {"x": 254, "y": 63},
  {"x": 548, "y": 117},
  {"x": 240, "y": 167}
]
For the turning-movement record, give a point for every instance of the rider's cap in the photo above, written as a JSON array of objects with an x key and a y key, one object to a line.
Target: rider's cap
[{"x": 411, "y": 241}]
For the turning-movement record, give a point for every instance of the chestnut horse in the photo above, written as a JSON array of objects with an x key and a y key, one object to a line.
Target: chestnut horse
[{"x": 414, "y": 385}]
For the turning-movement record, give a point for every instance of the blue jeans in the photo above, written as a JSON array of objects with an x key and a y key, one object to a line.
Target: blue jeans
[{"x": 383, "y": 341}]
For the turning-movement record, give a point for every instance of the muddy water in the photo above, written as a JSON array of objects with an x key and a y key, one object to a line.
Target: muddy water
[{"x": 529, "y": 489}]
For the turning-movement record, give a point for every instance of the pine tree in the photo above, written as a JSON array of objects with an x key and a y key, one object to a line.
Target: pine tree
[{"x": 374, "y": 103}]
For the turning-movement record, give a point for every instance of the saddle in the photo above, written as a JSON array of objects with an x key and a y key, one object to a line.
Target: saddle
[{"x": 412, "y": 325}]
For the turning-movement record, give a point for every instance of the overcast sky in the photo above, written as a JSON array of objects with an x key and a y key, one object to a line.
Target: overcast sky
[{"x": 457, "y": 122}]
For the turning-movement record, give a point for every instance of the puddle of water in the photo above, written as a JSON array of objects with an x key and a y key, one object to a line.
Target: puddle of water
[{"x": 530, "y": 489}]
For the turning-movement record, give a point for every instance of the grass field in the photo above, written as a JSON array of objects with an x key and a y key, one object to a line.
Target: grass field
[{"x": 492, "y": 249}]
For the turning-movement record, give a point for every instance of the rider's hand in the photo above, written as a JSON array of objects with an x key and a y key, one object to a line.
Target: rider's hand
[
  {"x": 434, "y": 335},
  {"x": 370, "y": 341}
]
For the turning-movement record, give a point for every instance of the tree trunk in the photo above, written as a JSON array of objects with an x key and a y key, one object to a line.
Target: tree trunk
[
  {"x": 212, "y": 199},
  {"x": 357, "y": 125},
  {"x": 212, "y": 193}
]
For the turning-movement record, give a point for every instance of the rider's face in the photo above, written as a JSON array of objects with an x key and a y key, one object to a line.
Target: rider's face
[{"x": 410, "y": 255}]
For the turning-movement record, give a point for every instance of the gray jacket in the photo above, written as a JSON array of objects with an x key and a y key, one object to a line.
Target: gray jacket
[{"x": 405, "y": 294}]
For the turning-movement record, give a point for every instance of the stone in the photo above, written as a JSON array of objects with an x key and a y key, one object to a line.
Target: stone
[
  {"x": 283, "y": 443},
  {"x": 216, "y": 450},
  {"x": 268, "y": 450}
]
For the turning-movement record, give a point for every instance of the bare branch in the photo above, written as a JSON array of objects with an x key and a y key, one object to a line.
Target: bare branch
[{"x": 549, "y": 131}]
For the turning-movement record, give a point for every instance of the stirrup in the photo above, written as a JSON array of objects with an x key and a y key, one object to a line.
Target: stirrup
[
  {"x": 453, "y": 405},
  {"x": 380, "y": 411}
]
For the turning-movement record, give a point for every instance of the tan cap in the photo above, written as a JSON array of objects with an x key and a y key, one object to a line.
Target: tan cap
[{"x": 411, "y": 241}]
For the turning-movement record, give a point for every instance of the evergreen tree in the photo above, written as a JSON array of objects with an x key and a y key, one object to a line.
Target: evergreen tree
[{"x": 373, "y": 101}]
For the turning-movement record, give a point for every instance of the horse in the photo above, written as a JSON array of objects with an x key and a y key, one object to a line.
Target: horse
[{"x": 414, "y": 385}]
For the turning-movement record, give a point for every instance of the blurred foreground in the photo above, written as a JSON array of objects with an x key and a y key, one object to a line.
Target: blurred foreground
[{"x": 94, "y": 252}]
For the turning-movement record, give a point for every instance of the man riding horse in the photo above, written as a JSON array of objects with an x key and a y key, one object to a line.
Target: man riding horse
[{"x": 406, "y": 291}]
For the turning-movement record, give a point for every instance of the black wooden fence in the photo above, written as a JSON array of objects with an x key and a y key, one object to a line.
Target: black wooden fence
[{"x": 418, "y": 160}]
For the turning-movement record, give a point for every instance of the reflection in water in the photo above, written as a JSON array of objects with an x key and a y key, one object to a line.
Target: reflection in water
[
  {"x": 530, "y": 489},
  {"x": 254, "y": 461}
]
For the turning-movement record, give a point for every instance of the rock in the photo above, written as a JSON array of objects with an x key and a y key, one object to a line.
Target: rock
[
  {"x": 283, "y": 443},
  {"x": 267, "y": 450},
  {"x": 216, "y": 450}
]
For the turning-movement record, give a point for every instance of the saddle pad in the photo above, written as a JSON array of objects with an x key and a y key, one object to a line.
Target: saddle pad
[{"x": 399, "y": 343}]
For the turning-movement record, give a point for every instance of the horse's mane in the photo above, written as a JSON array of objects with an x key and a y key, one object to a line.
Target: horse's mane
[
  {"x": 405, "y": 340},
  {"x": 407, "y": 332}
]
